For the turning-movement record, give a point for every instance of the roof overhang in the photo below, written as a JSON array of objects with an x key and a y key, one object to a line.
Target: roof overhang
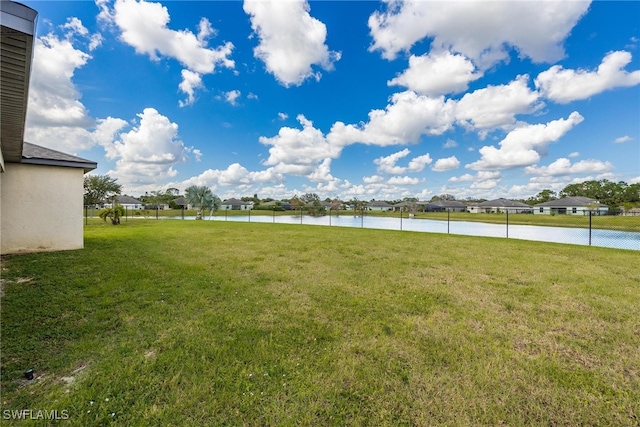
[{"x": 18, "y": 24}]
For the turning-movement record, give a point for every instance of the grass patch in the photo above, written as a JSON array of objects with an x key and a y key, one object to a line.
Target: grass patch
[{"x": 225, "y": 323}]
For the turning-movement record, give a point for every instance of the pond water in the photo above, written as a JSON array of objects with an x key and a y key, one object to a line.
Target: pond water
[{"x": 578, "y": 236}]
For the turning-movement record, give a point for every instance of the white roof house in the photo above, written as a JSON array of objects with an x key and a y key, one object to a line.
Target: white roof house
[{"x": 34, "y": 181}]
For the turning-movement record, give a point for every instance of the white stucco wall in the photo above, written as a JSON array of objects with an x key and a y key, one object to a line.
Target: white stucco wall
[{"x": 40, "y": 208}]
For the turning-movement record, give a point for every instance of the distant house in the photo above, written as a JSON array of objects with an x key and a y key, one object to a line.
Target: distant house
[
  {"x": 275, "y": 204},
  {"x": 451, "y": 205},
  {"x": 236, "y": 205},
  {"x": 41, "y": 190},
  {"x": 571, "y": 206},
  {"x": 379, "y": 206},
  {"x": 499, "y": 206},
  {"x": 181, "y": 202},
  {"x": 129, "y": 202}
]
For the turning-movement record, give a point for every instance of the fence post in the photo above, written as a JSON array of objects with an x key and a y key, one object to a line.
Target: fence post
[
  {"x": 126, "y": 214},
  {"x": 249, "y": 214},
  {"x": 182, "y": 211},
  {"x": 507, "y": 210},
  {"x": 448, "y": 216},
  {"x": 590, "y": 215},
  {"x": 400, "y": 219},
  {"x": 86, "y": 215}
]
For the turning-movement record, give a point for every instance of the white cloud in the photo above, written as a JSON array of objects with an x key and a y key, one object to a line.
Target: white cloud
[
  {"x": 635, "y": 180},
  {"x": 563, "y": 166},
  {"x": 524, "y": 145},
  {"x": 497, "y": 106},
  {"x": 437, "y": 74},
  {"x": 446, "y": 164},
  {"x": 387, "y": 164},
  {"x": 147, "y": 153},
  {"x": 404, "y": 120},
  {"x": 450, "y": 144},
  {"x": 563, "y": 86},
  {"x": 403, "y": 180},
  {"x": 232, "y": 96},
  {"x": 190, "y": 82},
  {"x": 291, "y": 40},
  {"x": 372, "y": 179},
  {"x": 144, "y": 26},
  {"x": 536, "y": 30},
  {"x": 283, "y": 116},
  {"x": 480, "y": 176},
  {"x": 299, "y": 152},
  {"x": 573, "y": 155},
  {"x": 417, "y": 164},
  {"x": 252, "y": 95},
  {"x": 233, "y": 179},
  {"x": 55, "y": 117},
  {"x": 623, "y": 139},
  {"x": 75, "y": 26}
]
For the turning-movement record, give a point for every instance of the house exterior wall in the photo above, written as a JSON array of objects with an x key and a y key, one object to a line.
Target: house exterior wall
[
  {"x": 40, "y": 208},
  {"x": 571, "y": 210},
  {"x": 235, "y": 207}
]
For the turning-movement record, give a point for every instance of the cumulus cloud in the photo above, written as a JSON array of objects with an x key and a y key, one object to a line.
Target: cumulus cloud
[
  {"x": 563, "y": 166},
  {"x": 437, "y": 74},
  {"x": 406, "y": 118},
  {"x": 563, "y": 86},
  {"x": 446, "y": 164},
  {"x": 535, "y": 30},
  {"x": 524, "y": 145},
  {"x": 404, "y": 180},
  {"x": 283, "y": 116},
  {"x": 56, "y": 117},
  {"x": 144, "y": 26},
  {"x": 235, "y": 177},
  {"x": 573, "y": 154},
  {"x": 299, "y": 151},
  {"x": 190, "y": 82},
  {"x": 497, "y": 106},
  {"x": 387, "y": 164},
  {"x": 291, "y": 40},
  {"x": 148, "y": 152},
  {"x": 232, "y": 97}
]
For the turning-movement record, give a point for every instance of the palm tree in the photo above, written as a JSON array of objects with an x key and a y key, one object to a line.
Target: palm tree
[
  {"x": 201, "y": 197},
  {"x": 114, "y": 213}
]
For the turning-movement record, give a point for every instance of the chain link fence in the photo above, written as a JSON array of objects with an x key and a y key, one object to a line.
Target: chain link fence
[{"x": 591, "y": 228}]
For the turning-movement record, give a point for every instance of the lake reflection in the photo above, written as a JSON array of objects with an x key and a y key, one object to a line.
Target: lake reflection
[{"x": 578, "y": 236}]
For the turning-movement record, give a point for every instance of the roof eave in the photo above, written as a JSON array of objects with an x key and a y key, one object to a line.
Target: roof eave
[
  {"x": 16, "y": 54},
  {"x": 86, "y": 166}
]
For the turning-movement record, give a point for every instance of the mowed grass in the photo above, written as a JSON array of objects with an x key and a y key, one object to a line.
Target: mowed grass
[{"x": 192, "y": 323}]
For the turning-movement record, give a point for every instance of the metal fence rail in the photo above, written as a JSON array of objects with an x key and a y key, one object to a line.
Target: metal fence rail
[{"x": 616, "y": 231}]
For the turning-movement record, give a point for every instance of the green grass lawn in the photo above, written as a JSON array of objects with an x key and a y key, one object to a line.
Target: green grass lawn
[{"x": 194, "y": 323}]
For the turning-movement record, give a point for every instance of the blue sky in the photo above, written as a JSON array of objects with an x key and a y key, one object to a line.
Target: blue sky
[{"x": 374, "y": 100}]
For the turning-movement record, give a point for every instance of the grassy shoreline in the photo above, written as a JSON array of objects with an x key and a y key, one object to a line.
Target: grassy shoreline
[{"x": 214, "y": 323}]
